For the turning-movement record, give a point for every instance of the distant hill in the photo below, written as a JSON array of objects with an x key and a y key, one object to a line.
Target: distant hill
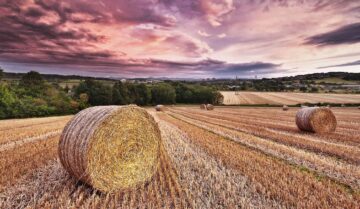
[
  {"x": 49, "y": 77},
  {"x": 314, "y": 76},
  {"x": 323, "y": 76}
]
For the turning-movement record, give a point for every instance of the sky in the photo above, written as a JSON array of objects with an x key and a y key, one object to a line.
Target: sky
[{"x": 180, "y": 38}]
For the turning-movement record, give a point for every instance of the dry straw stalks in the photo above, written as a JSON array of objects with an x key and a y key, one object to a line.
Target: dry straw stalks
[
  {"x": 285, "y": 108},
  {"x": 160, "y": 108},
  {"x": 210, "y": 107},
  {"x": 315, "y": 119},
  {"x": 111, "y": 147}
]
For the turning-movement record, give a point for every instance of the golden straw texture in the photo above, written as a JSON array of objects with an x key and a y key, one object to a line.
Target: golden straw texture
[
  {"x": 285, "y": 108},
  {"x": 111, "y": 147},
  {"x": 160, "y": 108},
  {"x": 315, "y": 119},
  {"x": 210, "y": 107}
]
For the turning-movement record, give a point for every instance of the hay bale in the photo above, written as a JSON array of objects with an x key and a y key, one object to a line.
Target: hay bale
[
  {"x": 111, "y": 147},
  {"x": 342, "y": 105},
  {"x": 160, "y": 108},
  {"x": 285, "y": 108},
  {"x": 315, "y": 119},
  {"x": 210, "y": 107},
  {"x": 203, "y": 106}
]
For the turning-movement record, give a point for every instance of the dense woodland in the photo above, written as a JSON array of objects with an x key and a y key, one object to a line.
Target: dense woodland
[{"x": 33, "y": 96}]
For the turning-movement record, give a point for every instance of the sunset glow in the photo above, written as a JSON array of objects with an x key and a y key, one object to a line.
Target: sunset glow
[{"x": 180, "y": 38}]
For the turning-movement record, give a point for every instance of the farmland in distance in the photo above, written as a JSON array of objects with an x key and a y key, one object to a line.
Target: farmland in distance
[{"x": 286, "y": 98}]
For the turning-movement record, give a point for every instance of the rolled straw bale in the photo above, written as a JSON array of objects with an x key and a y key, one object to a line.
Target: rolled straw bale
[
  {"x": 111, "y": 147},
  {"x": 210, "y": 107},
  {"x": 160, "y": 108},
  {"x": 285, "y": 108},
  {"x": 203, "y": 106},
  {"x": 316, "y": 119}
]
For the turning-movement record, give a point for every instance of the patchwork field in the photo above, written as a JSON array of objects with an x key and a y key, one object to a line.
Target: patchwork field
[
  {"x": 231, "y": 157},
  {"x": 286, "y": 98}
]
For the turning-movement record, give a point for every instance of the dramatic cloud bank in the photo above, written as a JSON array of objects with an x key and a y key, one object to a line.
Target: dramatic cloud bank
[{"x": 179, "y": 38}]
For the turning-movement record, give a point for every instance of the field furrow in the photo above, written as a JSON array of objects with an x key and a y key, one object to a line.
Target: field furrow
[
  {"x": 345, "y": 152},
  {"x": 342, "y": 172},
  {"x": 203, "y": 175},
  {"x": 17, "y": 162},
  {"x": 52, "y": 187},
  {"x": 274, "y": 178},
  {"x": 29, "y": 131}
]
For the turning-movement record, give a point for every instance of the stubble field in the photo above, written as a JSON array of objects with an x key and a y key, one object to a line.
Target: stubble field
[
  {"x": 286, "y": 98},
  {"x": 231, "y": 157}
]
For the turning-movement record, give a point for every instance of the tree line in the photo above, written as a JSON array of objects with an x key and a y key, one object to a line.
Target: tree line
[{"x": 33, "y": 96}]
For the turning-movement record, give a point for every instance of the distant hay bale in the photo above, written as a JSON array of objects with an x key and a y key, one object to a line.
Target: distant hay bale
[
  {"x": 328, "y": 106},
  {"x": 315, "y": 119},
  {"x": 111, "y": 147},
  {"x": 203, "y": 106},
  {"x": 304, "y": 106},
  {"x": 160, "y": 108},
  {"x": 210, "y": 107},
  {"x": 285, "y": 108},
  {"x": 342, "y": 105}
]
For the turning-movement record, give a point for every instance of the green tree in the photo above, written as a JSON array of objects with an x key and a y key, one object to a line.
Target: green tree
[
  {"x": 303, "y": 89},
  {"x": 139, "y": 94},
  {"x": 32, "y": 79},
  {"x": 163, "y": 94},
  {"x": 7, "y": 101},
  {"x": 98, "y": 93},
  {"x": 120, "y": 94},
  {"x": 314, "y": 89},
  {"x": 1, "y": 73}
]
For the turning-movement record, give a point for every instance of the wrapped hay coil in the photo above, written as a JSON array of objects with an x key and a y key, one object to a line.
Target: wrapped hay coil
[
  {"x": 203, "y": 106},
  {"x": 285, "y": 108},
  {"x": 111, "y": 147},
  {"x": 210, "y": 107},
  {"x": 315, "y": 119},
  {"x": 160, "y": 108}
]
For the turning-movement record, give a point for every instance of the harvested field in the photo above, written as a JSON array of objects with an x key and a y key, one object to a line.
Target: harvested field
[
  {"x": 231, "y": 157},
  {"x": 286, "y": 98}
]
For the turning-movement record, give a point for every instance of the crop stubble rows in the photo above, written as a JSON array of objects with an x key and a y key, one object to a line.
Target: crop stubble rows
[{"x": 200, "y": 166}]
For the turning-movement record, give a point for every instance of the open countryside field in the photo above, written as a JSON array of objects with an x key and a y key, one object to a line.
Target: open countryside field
[
  {"x": 231, "y": 157},
  {"x": 286, "y": 98}
]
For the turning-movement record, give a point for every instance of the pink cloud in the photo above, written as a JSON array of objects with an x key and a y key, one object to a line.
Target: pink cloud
[{"x": 133, "y": 36}]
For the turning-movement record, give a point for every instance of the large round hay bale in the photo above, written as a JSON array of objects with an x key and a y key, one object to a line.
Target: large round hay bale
[
  {"x": 210, "y": 107},
  {"x": 111, "y": 147},
  {"x": 160, "y": 108},
  {"x": 315, "y": 119},
  {"x": 203, "y": 106},
  {"x": 285, "y": 108}
]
